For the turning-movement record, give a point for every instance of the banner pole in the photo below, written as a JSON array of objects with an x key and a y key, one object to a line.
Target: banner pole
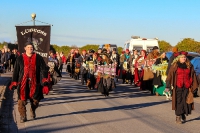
[{"x": 33, "y": 15}]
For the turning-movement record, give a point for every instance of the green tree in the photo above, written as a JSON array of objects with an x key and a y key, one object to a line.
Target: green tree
[
  {"x": 90, "y": 46},
  {"x": 65, "y": 49},
  {"x": 188, "y": 44},
  {"x": 164, "y": 46},
  {"x": 119, "y": 49}
]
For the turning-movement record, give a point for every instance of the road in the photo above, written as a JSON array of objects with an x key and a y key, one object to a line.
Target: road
[{"x": 71, "y": 108}]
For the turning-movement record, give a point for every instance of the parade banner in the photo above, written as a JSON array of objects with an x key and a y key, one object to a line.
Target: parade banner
[{"x": 39, "y": 36}]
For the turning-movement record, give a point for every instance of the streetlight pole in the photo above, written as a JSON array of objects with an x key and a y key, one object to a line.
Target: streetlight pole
[{"x": 33, "y": 15}]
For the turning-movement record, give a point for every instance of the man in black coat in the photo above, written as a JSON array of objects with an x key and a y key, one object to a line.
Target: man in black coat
[
  {"x": 29, "y": 76},
  {"x": 83, "y": 71},
  {"x": 13, "y": 58}
]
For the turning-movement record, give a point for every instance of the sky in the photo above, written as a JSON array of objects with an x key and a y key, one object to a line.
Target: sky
[{"x": 81, "y": 22}]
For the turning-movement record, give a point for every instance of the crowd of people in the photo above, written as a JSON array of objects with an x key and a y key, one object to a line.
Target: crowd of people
[
  {"x": 101, "y": 70},
  {"x": 7, "y": 59},
  {"x": 152, "y": 71}
]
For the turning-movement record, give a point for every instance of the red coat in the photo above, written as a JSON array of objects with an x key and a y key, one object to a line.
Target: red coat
[
  {"x": 33, "y": 69},
  {"x": 63, "y": 59},
  {"x": 183, "y": 78}
]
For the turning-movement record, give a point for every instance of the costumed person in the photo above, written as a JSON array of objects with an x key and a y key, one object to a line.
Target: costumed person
[
  {"x": 92, "y": 71},
  {"x": 184, "y": 82},
  {"x": 121, "y": 71},
  {"x": 77, "y": 65},
  {"x": 77, "y": 54},
  {"x": 60, "y": 64},
  {"x": 132, "y": 59},
  {"x": 99, "y": 50},
  {"x": 115, "y": 61},
  {"x": 90, "y": 68},
  {"x": 159, "y": 68},
  {"x": 126, "y": 75},
  {"x": 109, "y": 52},
  {"x": 104, "y": 81},
  {"x": 3, "y": 59},
  {"x": 150, "y": 60},
  {"x": 52, "y": 58},
  {"x": 83, "y": 70},
  {"x": 13, "y": 58},
  {"x": 71, "y": 64},
  {"x": 29, "y": 76},
  {"x": 9, "y": 60},
  {"x": 7, "y": 57},
  {"x": 63, "y": 58},
  {"x": 139, "y": 71}
]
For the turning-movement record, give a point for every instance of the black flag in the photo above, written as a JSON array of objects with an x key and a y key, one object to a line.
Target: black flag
[{"x": 39, "y": 36}]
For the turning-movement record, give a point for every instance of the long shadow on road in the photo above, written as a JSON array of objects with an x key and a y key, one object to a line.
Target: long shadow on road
[
  {"x": 117, "y": 93},
  {"x": 123, "y": 107},
  {"x": 62, "y": 93}
]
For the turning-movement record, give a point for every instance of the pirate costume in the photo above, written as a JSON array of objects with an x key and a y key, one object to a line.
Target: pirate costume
[
  {"x": 184, "y": 82},
  {"x": 29, "y": 76},
  {"x": 104, "y": 80},
  {"x": 83, "y": 70}
]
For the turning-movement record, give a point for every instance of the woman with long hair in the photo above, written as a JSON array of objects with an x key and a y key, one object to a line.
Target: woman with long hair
[
  {"x": 139, "y": 71},
  {"x": 183, "y": 81},
  {"x": 105, "y": 59},
  {"x": 104, "y": 81}
]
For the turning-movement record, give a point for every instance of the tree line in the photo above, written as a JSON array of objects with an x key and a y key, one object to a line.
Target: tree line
[{"x": 187, "y": 44}]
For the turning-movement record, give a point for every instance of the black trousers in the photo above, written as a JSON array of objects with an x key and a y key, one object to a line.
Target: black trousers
[
  {"x": 57, "y": 71},
  {"x": 60, "y": 68},
  {"x": 181, "y": 106},
  {"x": 84, "y": 78}
]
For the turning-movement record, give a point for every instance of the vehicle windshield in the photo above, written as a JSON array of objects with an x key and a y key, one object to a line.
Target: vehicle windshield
[
  {"x": 190, "y": 57},
  {"x": 126, "y": 46},
  {"x": 149, "y": 49}
]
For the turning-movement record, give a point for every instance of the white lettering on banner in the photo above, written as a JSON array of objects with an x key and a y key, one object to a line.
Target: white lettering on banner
[
  {"x": 33, "y": 30},
  {"x": 42, "y": 54}
]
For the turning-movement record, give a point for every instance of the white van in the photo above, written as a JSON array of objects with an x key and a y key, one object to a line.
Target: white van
[{"x": 140, "y": 44}]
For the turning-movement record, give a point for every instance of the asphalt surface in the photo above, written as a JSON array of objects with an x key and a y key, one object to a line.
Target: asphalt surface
[{"x": 71, "y": 108}]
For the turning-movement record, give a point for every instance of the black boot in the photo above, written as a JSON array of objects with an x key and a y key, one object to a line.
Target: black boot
[
  {"x": 32, "y": 113},
  {"x": 183, "y": 117}
]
